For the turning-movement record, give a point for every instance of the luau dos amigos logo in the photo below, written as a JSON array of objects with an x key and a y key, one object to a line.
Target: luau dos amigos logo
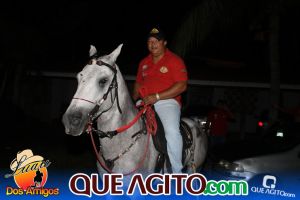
[{"x": 30, "y": 175}]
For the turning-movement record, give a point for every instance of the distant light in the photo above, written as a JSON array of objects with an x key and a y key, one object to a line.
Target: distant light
[
  {"x": 260, "y": 124},
  {"x": 279, "y": 134}
]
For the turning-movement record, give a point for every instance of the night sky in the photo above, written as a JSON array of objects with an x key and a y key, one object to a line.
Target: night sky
[
  {"x": 47, "y": 35},
  {"x": 56, "y": 36}
]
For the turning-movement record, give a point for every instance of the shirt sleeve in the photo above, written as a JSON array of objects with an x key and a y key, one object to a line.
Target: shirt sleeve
[{"x": 180, "y": 72}]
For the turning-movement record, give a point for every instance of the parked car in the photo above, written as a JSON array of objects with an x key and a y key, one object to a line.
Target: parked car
[{"x": 277, "y": 152}]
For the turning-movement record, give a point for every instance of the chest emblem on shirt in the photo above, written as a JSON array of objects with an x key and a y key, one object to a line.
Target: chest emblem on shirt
[
  {"x": 163, "y": 69},
  {"x": 145, "y": 67}
]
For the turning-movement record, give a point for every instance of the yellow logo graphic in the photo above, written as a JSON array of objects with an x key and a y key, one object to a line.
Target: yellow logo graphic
[
  {"x": 145, "y": 67},
  {"x": 154, "y": 30},
  {"x": 29, "y": 171},
  {"x": 163, "y": 69}
]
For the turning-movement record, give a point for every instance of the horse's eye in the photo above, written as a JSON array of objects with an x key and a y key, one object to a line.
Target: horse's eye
[{"x": 103, "y": 81}]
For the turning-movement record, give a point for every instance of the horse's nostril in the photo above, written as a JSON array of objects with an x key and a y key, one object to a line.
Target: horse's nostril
[{"x": 75, "y": 118}]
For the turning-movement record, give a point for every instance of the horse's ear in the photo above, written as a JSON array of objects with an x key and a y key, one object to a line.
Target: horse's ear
[
  {"x": 93, "y": 50},
  {"x": 114, "y": 55}
]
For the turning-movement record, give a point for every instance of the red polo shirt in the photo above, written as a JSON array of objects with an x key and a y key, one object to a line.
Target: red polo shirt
[{"x": 155, "y": 78}]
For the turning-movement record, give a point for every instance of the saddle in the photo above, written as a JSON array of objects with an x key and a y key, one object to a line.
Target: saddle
[{"x": 160, "y": 144}]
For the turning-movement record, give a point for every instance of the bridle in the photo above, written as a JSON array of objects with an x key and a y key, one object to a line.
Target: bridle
[{"x": 94, "y": 115}]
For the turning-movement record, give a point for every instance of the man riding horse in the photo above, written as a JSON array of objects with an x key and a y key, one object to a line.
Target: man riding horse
[
  {"x": 161, "y": 78},
  {"x": 125, "y": 144}
]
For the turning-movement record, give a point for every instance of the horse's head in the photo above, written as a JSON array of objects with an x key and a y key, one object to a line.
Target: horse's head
[{"x": 96, "y": 91}]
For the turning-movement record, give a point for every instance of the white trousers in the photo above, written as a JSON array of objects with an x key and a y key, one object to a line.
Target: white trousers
[{"x": 169, "y": 112}]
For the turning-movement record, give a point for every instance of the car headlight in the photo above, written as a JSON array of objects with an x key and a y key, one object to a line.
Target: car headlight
[
  {"x": 230, "y": 166},
  {"x": 279, "y": 134}
]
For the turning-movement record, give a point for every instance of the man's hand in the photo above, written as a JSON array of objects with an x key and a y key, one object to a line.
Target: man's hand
[{"x": 150, "y": 99}]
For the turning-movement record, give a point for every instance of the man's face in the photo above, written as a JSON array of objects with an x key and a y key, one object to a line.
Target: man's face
[{"x": 156, "y": 47}]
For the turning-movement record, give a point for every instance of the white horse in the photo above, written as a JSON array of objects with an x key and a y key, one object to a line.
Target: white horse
[{"x": 102, "y": 96}]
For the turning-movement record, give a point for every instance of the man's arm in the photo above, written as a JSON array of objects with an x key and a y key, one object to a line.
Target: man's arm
[
  {"x": 135, "y": 94},
  {"x": 173, "y": 91}
]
